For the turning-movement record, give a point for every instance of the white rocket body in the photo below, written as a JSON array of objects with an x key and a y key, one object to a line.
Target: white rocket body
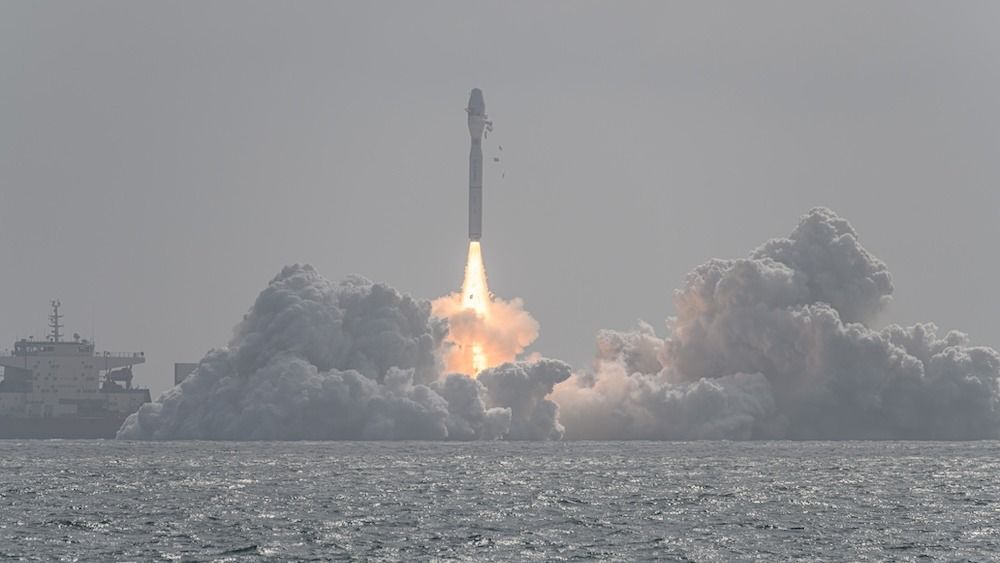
[{"x": 477, "y": 123}]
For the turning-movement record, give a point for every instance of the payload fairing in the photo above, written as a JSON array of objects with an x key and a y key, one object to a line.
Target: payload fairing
[{"x": 477, "y": 124}]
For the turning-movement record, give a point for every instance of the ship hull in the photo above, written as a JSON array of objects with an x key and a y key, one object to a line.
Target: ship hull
[{"x": 61, "y": 427}]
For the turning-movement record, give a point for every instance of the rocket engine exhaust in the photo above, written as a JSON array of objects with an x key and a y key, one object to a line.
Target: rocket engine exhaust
[{"x": 483, "y": 330}]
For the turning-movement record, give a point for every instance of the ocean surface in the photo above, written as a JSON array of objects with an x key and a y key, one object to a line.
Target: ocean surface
[{"x": 700, "y": 501}]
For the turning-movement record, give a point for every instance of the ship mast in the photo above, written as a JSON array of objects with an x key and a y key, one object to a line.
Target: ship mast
[{"x": 54, "y": 324}]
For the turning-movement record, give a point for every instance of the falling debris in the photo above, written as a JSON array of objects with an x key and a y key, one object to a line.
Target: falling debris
[{"x": 773, "y": 346}]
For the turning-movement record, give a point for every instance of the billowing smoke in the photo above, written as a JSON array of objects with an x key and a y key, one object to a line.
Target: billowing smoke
[
  {"x": 484, "y": 330},
  {"x": 314, "y": 360},
  {"x": 522, "y": 387},
  {"x": 776, "y": 346},
  {"x": 499, "y": 337}
]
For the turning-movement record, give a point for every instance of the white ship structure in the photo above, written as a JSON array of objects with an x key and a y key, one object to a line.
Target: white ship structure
[{"x": 57, "y": 388}]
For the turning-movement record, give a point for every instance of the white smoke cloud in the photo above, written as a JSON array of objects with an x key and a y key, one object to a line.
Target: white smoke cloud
[
  {"x": 628, "y": 397},
  {"x": 777, "y": 345},
  {"x": 774, "y": 346},
  {"x": 522, "y": 387},
  {"x": 314, "y": 360},
  {"x": 483, "y": 329}
]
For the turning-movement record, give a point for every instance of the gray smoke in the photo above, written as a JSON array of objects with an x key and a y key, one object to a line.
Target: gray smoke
[
  {"x": 314, "y": 360},
  {"x": 776, "y": 346},
  {"x": 522, "y": 387}
]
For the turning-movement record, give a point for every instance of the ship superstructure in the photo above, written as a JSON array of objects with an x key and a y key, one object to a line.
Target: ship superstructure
[{"x": 55, "y": 388}]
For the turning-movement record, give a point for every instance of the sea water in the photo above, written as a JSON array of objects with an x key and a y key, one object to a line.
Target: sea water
[{"x": 411, "y": 501}]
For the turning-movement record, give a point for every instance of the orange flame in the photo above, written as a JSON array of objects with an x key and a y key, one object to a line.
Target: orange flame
[
  {"x": 484, "y": 331},
  {"x": 475, "y": 290},
  {"x": 476, "y": 296}
]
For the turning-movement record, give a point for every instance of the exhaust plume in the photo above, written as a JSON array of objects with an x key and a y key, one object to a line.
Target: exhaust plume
[
  {"x": 483, "y": 330},
  {"x": 313, "y": 360},
  {"x": 777, "y": 346}
]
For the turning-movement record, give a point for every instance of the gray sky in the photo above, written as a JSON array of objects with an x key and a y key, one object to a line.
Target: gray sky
[{"x": 160, "y": 162}]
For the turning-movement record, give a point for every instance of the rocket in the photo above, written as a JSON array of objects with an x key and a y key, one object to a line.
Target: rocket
[{"x": 477, "y": 123}]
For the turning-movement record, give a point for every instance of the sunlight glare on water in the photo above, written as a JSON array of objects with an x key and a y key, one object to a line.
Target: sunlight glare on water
[{"x": 700, "y": 501}]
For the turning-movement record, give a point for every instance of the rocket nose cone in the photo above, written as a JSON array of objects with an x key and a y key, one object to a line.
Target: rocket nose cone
[{"x": 477, "y": 106}]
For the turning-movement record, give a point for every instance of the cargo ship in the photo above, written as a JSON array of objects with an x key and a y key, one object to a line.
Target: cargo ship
[{"x": 56, "y": 388}]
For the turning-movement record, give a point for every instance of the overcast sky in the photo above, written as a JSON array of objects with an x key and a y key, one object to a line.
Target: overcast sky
[{"x": 160, "y": 162}]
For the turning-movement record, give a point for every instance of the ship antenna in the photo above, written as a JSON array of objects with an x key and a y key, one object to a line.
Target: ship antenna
[{"x": 54, "y": 323}]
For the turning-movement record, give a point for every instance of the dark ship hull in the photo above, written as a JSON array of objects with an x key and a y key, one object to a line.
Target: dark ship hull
[{"x": 61, "y": 427}]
